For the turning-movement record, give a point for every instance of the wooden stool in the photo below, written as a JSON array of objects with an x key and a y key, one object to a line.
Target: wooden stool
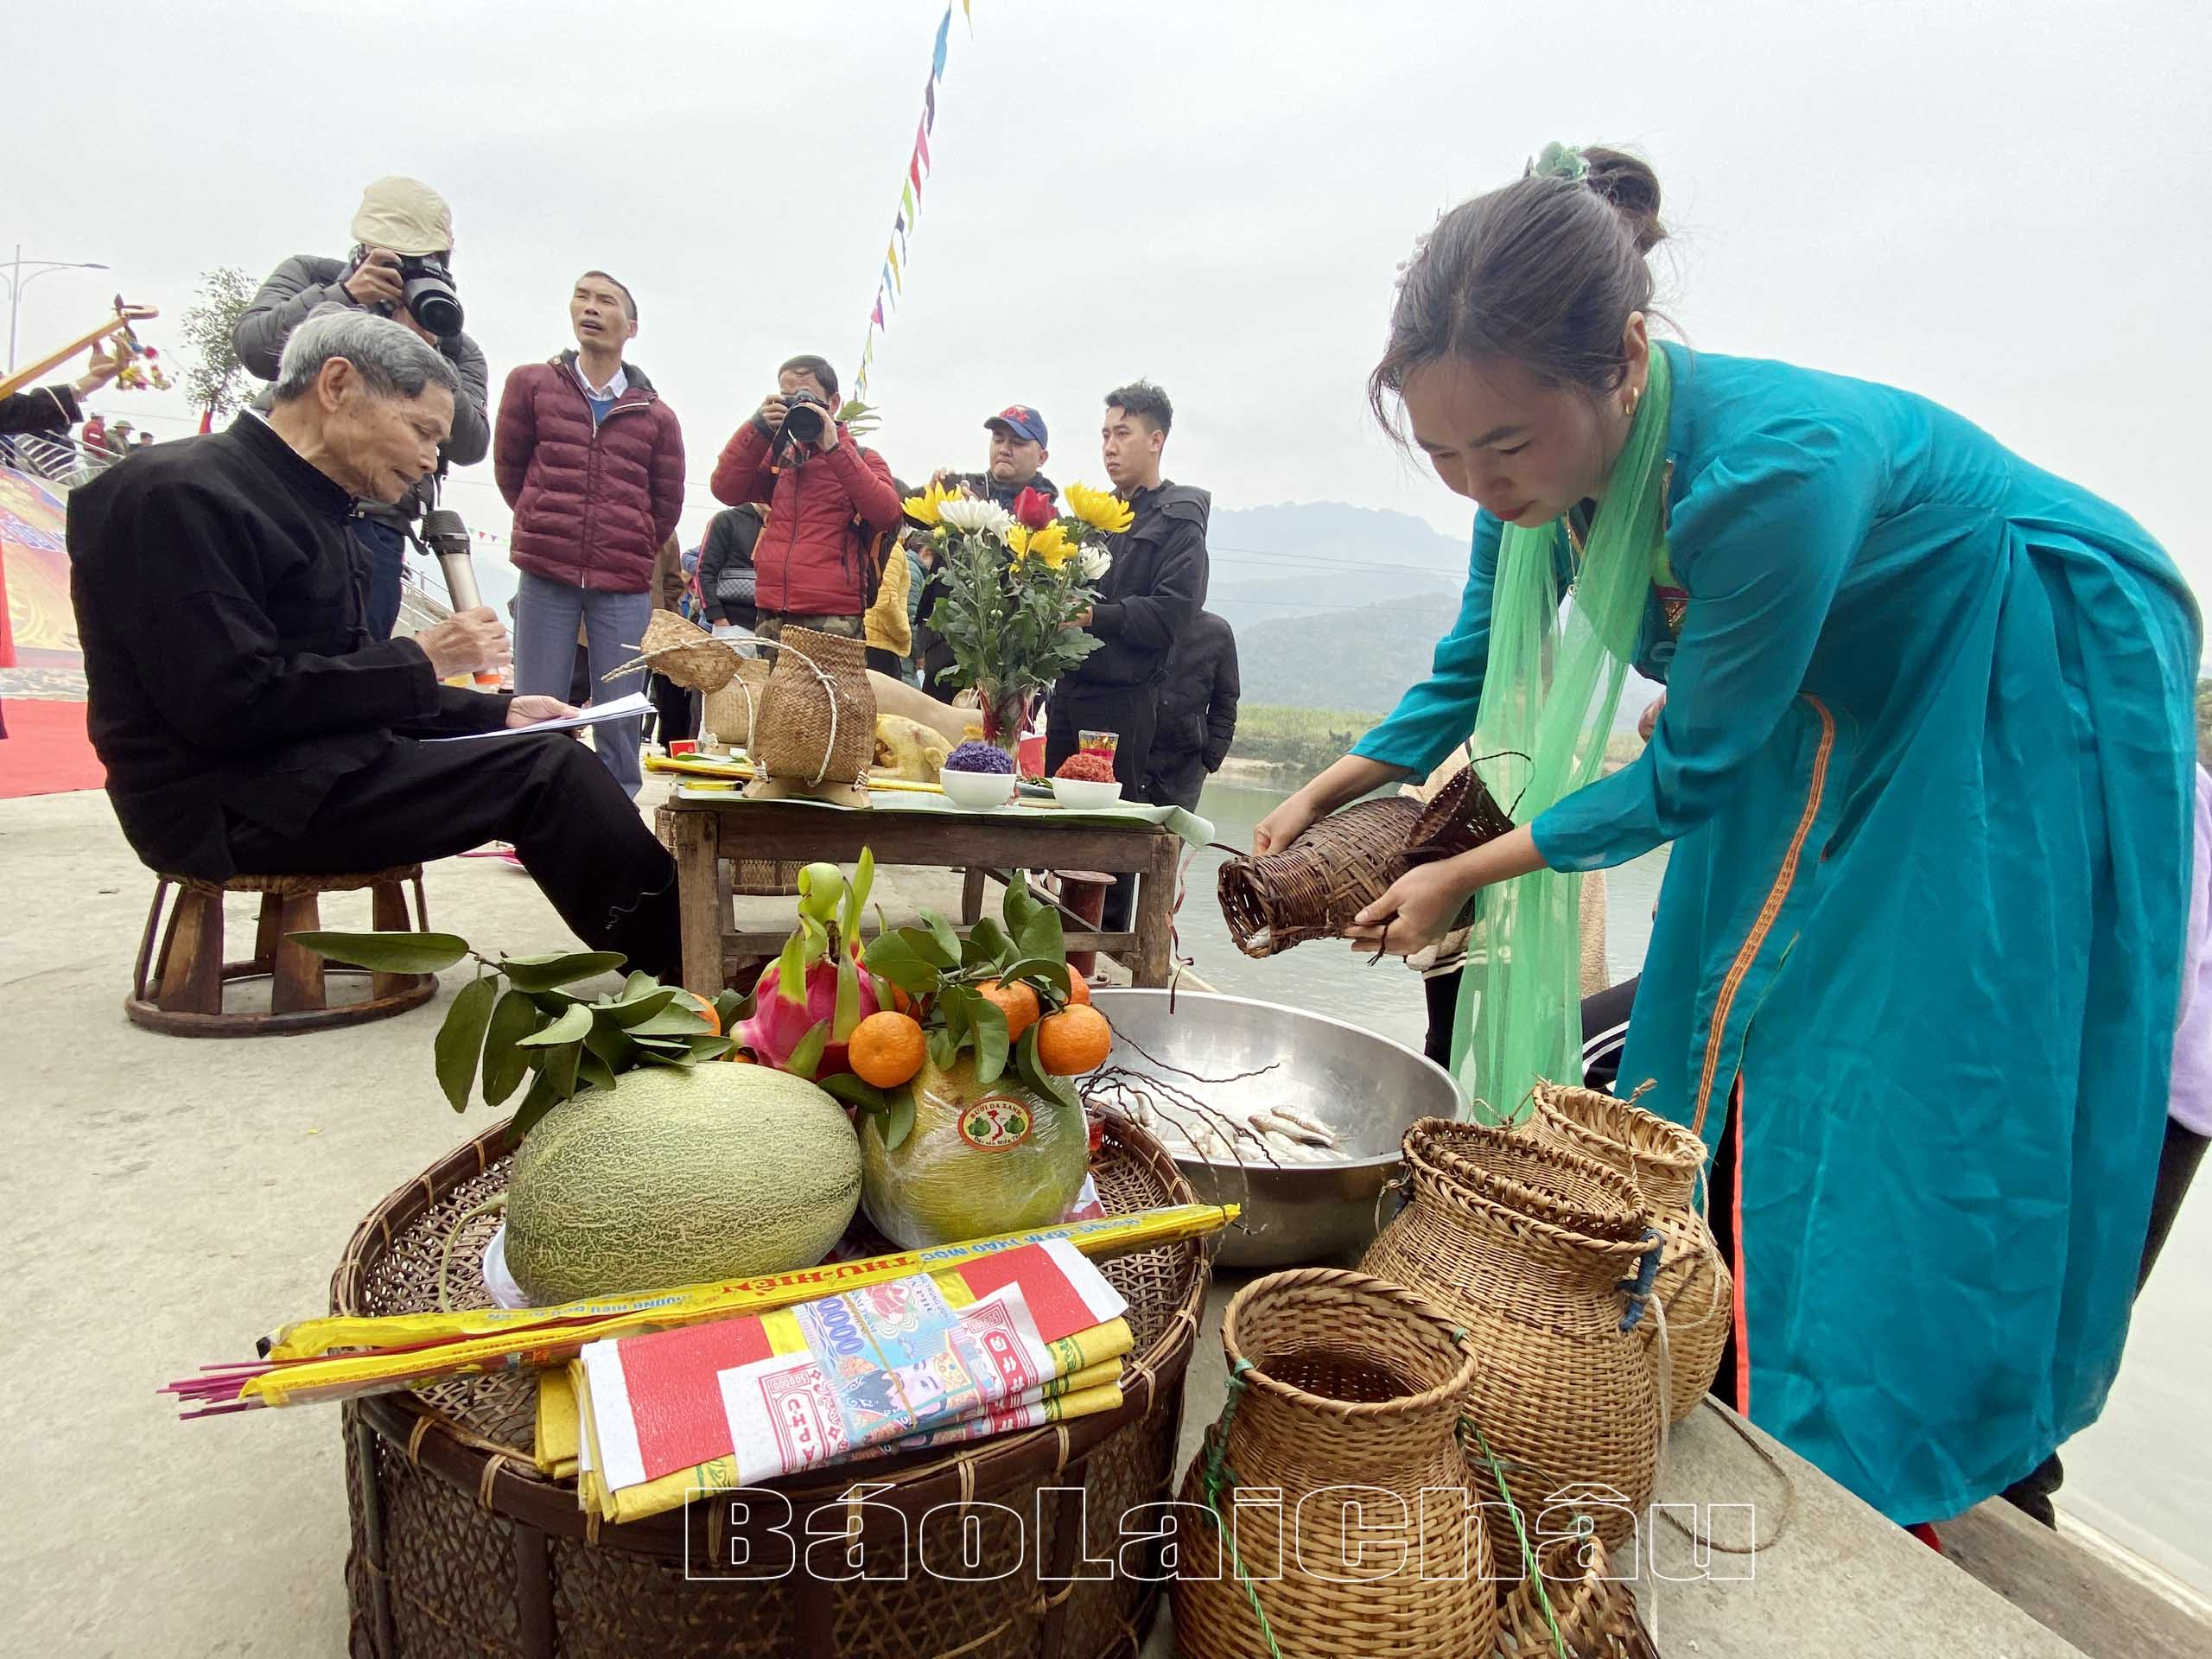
[{"x": 184, "y": 995}]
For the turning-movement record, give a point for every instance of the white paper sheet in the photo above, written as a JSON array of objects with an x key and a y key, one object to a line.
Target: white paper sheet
[{"x": 621, "y": 708}]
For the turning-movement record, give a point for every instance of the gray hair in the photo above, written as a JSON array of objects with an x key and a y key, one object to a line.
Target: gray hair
[{"x": 393, "y": 361}]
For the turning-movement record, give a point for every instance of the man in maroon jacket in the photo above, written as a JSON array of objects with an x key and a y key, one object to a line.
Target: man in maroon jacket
[
  {"x": 592, "y": 462},
  {"x": 827, "y": 499}
]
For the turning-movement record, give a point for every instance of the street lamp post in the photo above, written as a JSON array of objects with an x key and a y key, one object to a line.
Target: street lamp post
[{"x": 16, "y": 279}]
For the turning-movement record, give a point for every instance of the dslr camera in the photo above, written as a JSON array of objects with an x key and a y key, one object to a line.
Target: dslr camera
[
  {"x": 805, "y": 416},
  {"x": 426, "y": 289}
]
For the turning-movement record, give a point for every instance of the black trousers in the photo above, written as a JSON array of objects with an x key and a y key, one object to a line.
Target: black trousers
[
  {"x": 1605, "y": 1025},
  {"x": 1132, "y": 714},
  {"x": 676, "y": 710},
  {"x": 574, "y": 828}
]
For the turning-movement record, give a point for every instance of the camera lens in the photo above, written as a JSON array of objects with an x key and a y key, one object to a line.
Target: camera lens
[
  {"x": 434, "y": 305},
  {"x": 801, "y": 420}
]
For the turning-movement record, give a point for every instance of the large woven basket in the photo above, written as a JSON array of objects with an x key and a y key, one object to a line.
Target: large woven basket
[
  {"x": 725, "y": 712},
  {"x": 816, "y": 724},
  {"x": 460, "y": 1548},
  {"x": 1595, "y": 1615},
  {"x": 1531, "y": 1259},
  {"x": 1342, "y": 1382},
  {"x": 1693, "y": 1287}
]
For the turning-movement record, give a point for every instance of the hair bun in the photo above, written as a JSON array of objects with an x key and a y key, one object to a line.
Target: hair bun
[{"x": 1630, "y": 186}]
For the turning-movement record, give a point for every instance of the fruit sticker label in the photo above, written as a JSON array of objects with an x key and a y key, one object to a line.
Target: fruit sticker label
[{"x": 997, "y": 1123}]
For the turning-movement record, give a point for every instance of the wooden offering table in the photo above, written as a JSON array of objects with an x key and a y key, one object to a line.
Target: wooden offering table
[{"x": 706, "y": 833}]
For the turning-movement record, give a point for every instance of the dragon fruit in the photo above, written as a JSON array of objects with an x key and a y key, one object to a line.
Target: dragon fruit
[{"x": 811, "y": 997}]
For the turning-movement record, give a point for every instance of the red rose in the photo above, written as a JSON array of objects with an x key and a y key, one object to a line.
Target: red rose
[{"x": 1033, "y": 509}]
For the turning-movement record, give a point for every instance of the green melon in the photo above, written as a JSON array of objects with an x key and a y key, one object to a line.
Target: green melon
[
  {"x": 981, "y": 1159},
  {"x": 677, "y": 1178}
]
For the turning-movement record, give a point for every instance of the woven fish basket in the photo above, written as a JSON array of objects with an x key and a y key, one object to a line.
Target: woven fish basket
[
  {"x": 815, "y": 729},
  {"x": 1339, "y": 1380},
  {"x": 725, "y": 712},
  {"x": 1693, "y": 1287},
  {"x": 684, "y": 652},
  {"x": 1595, "y": 1615},
  {"x": 1534, "y": 1257}
]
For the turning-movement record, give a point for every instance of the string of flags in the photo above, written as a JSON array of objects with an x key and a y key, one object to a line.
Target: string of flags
[{"x": 891, "y": 285}]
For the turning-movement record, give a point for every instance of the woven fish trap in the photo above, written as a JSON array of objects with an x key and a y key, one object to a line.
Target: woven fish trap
[
  {"x": 815, "y": 723},
  {"x": 1595, "y": 1615},
  {"x": 1694, "y": 1286},
  {"x": 460, "y": 1546},
  {"x": 727, "y": 712},
  {"x": 1537, "y": 1265},
  {"x": 1339, "y": 1380},
  {"x": 1314, "y": 888},
  {"x": 683, "y": 651},
  {"x": 1461, "y": 816}
]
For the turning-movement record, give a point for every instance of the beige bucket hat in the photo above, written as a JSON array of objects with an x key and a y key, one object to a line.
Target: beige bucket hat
[{"x": 404, "y": 215}]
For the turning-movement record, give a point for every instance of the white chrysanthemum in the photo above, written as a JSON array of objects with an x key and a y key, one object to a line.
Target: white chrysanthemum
[
  {"x": 1094, "y": 563},
  {"x": 976, "y": 518}
]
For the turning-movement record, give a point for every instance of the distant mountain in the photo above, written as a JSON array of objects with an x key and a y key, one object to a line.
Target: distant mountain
[
  {"x": 1359, "y": 659},
  {"x": 1310, "y": 558}
]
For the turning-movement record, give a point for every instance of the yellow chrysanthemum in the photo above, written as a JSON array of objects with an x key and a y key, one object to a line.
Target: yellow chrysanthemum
[
  {"x": 1051, "y": 545},
  {"x": 923, "y": 508},
  {"x": 1099, "y": 509},
  {"x": 1017, "y": 542}
]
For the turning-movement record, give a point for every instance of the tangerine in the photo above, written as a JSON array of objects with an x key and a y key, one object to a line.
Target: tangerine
[
  {"x": 886, "y": 1049},
  {"x": 1017, "y": 1001},
  {"x": 1075, "y": 1040},
  {"x": 1078, "y": 989},
  {"x": 704, "y": 1009}
]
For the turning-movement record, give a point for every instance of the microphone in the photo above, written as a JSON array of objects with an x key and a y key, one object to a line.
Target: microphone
[{"x": 445, "y": 535}]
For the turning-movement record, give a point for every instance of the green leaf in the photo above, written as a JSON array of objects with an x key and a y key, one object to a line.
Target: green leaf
[
  {"x": 937, "y": 940},
  {"x": 847, "y": 1087},
  {"x": 506, "y": 1065},
  {"x": 388, "y": 953},
  {"x": 944, "y": 1049},
  {"x": 676, "y": 1021},
  {"x": 541, "y": 1098},
  {"x": 1051, "y": 972},
  {"x": 790, "y": 968},
  {"x": 893, "y": 955},
  {"x": 1033, "y": 1072},
  {"x": 559, "y": 967},
  {"x": 639, "y": 983},
  {"x": 857, "y": 894},
  {"x": 593, "y": 1072},
  {"x": 846, "y": 1014},
  {"x": 1041, "y": 936},
  {"x": 900, "y": 1122},
  {"x": 710, "y": 1048},
  {"x": 1020, "y": 903},
  {"x": 734, "y": 1007},
  {"x": 562, "y": 1065},
  {"x": 991, "y": 1039},
  {"x": 461, "y": 1039},
  {"x": 806, "y": 1057},
  {"x": 640, "y": 1011},
  {"x": 611, "y": 1044},
  {"x": 571, "y": 1027},
  {"x": 986, "y": 946}
]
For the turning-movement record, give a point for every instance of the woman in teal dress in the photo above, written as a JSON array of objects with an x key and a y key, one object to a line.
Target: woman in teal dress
[{"x": 1924, "y": 763}]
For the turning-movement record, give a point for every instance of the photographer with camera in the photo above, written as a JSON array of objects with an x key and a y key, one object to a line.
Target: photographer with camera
[
  {"x": 829, "y": 500},
  {"x": 401, "y": 267}
]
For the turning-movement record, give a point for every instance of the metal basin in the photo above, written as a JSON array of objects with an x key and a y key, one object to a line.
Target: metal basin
[{"x": 1367, "y": 1089}]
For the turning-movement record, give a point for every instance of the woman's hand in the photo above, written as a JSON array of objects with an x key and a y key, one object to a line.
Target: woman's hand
[
  {"x": 1415, "y": 912},
  {"x": 1277, "y": 831},
  {"x": 529, "y": 711}
]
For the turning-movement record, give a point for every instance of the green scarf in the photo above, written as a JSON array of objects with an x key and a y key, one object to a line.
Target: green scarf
[{"x": 1549, "y": 696}]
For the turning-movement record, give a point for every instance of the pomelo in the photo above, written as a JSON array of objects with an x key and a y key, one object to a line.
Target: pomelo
[
  {"x": 677, "y": 1177},
  {"x": 980, "y": 1158}
]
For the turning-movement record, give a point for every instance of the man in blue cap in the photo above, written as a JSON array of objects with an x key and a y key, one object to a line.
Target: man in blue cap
[{"x": 1018, "y": 440}]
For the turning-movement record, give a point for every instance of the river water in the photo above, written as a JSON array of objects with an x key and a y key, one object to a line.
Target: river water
[{"x": 2142, "y": 1475}]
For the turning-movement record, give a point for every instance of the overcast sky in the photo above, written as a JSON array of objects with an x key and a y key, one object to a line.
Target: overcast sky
[{"x": 2002, "y": 205}]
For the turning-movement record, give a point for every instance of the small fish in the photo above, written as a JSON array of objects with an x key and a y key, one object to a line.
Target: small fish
[
  {"x": 1289, "y": 1128},
  {"x": 1307, "y": 1122}
]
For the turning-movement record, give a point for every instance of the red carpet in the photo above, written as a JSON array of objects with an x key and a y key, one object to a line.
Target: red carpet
[{"x": 46, "y": 751}]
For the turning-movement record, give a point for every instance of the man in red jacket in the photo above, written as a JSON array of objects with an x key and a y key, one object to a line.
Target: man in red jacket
[
  {"x": 827, "y": 499},
  {"x": 592, "y": 462}
]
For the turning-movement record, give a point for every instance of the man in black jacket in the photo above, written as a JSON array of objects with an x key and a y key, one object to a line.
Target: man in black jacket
[
  {"x": 1145, "y": 604},
  {"x": 1198, "y": 714},
  {"x": 399, "y": 218},
  {"x": 248, "y": 722},
  {"x": 1017, "y": 458}
]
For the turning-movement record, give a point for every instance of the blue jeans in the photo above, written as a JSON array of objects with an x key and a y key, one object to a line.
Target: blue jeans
[{"x": 546, "y": 615}]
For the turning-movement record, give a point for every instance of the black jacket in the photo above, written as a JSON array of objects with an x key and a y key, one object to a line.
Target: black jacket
[
  {"x": 221, "y": 599},
  {"x": 42, "y": 409},
  {"x": 290, "y": 298},
  {"x": 1198, "y": 711},
  {"x": 1156, "y": 588},
  {"x": 726, "y": 576},
  {"x": 980, "y": 485}
]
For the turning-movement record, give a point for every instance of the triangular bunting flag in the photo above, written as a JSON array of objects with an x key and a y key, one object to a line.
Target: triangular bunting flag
[
  {"x": 877, "y": 318},
  {"x": 914, "y": 174},
  {"x": 906, "y": 200},
  {"x": 928, "y": 107},
  {"x": 922, "y": 147},
  {"x": 944, "y": 30}
]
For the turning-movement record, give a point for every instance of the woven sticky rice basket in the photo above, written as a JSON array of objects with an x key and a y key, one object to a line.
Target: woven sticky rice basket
[
  {"x": 1342, "y": 1381},
  {"x": 1595, "y": 1615},
  {"x": 816, "y": 720},
  {"x": 460, "y": 1546},
  {"x": 683, "y": 651},
  {"x": 725, "y": 712},
  {"x": 1665, "y": 1160},
  {"x": 1531, "y": 1256}
]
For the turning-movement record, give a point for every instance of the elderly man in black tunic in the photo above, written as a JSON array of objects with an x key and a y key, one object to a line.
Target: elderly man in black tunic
[{"x": 248, "y": 724}]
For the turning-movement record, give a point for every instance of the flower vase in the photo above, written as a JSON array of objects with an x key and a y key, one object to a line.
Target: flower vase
[{"x": 1006, "y": 715}]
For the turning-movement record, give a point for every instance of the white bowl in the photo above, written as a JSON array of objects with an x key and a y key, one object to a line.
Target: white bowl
[
  {"x": 976, "y": 790},
  {"x": 1082, "y": 792}
]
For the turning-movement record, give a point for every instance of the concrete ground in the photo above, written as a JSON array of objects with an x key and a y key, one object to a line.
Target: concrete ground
[{"x": 168, "y": 1200}]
